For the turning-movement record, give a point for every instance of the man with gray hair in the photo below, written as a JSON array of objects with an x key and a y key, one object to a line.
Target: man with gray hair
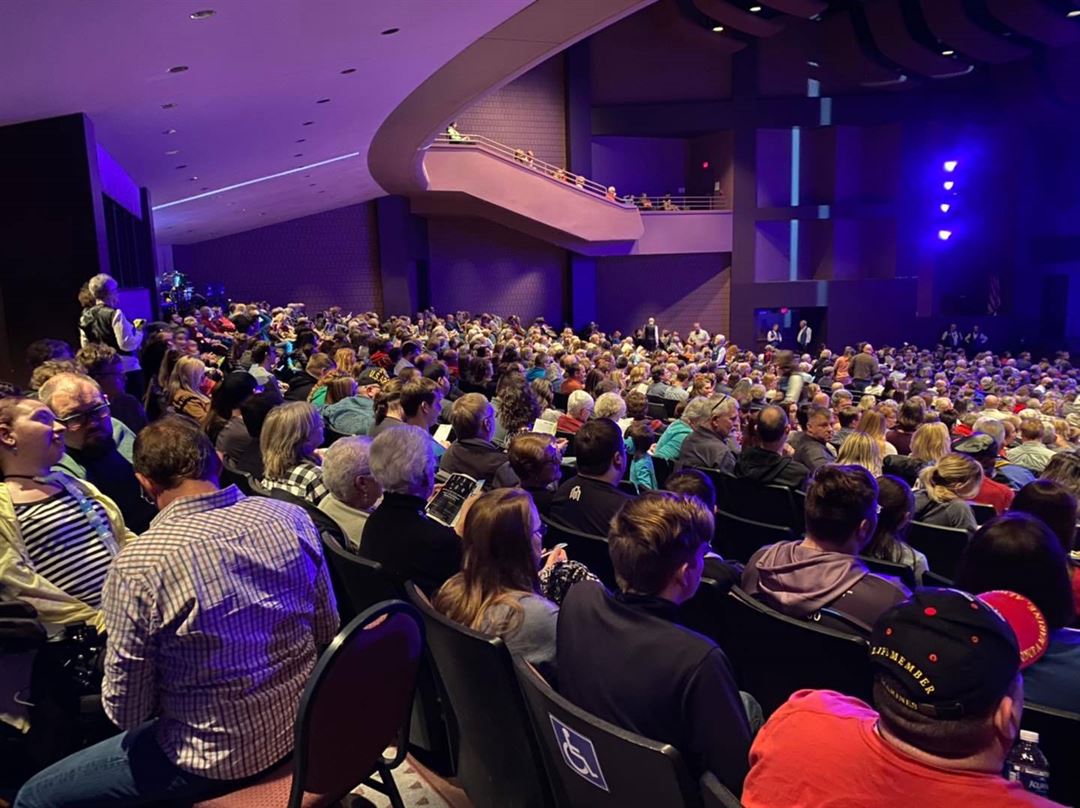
[
  {"x": 712, "y": 443},
  {"x": 398, "y": 534},
  {"x": 97, "y": 448},
  {"x": 353, "y": 491},
  {"x": 105, "y": 323}
]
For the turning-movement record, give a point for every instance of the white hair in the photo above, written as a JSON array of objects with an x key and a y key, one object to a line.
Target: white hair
[
  {"x": 578, "y": 401},
  {"x": 345, "y": 460},
  {"x": 402, "y": 460},
  {"x": 610, "y": 405}
]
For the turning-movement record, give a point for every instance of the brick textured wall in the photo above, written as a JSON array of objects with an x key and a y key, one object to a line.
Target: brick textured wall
[
  {"x": 677, "y": 290},
  {"x": 528, "y": 113},
  {"x": 479, "y": 266},
  {"x": 327, "y": 259}
]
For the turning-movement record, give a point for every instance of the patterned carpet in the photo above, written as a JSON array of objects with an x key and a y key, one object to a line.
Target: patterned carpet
[{"x": 419, "y": 788}]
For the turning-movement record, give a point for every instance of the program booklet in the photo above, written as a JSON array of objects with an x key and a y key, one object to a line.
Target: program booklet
[{"x": 446, "y": 506}]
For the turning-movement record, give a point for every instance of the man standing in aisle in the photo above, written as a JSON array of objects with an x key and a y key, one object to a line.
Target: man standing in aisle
[
  {"x": 651, "y": 338},
  {"x": 774, "y": 337},
  {"x": 105, "y": 323},
  {"x": 804, "y": 337}
]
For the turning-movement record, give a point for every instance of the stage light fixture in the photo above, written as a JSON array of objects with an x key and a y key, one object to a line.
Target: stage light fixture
[
  {"x": 718, "y": 29},
  {"x": 944, "y": 235},
  {"x": 755, "y": 9},
  {"x": 1074, "y": 13},
  {"x": 948, "y": 185},
  {"x": 945, "y": 207},
  {"x": 948, "y": 53},
  {"x": 950, "y": 166}
]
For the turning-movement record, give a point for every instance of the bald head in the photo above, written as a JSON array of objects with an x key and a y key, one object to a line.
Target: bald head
[
  {"x": 772, "y": 426},
  {"x": 78, "y": 397}
]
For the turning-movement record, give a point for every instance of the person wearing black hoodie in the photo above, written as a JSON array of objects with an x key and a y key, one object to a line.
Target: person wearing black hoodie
[
  {"x": 766, "y": 463},
  {"x": 799, "y": 578}
]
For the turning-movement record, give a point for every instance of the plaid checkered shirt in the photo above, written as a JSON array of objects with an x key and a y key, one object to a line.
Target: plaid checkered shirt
[
  {"x": 213, "y": 618},
  {"x": 304, "y": 481}
]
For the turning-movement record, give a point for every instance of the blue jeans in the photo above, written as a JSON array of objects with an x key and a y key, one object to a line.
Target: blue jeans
[{"x": 127, "y": 769}]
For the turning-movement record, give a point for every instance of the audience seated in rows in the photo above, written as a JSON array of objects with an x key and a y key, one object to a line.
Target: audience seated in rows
[
  {"x": 712, "y": 443},
  {"x": 896, "y": 506},
  {"x": 473, "y": 453},
  {"x": 579, "y": 408},
  {"x": 590, "y": 499},
  {"x": 766, "y": 462},
  {"x": 801, "y": 577},
  {"x": 944, "y": 490},
  {"x": 682, "y": 691},
  {"x": 815, "y": 449},
  {"x": 537, "y": 462},
  {"x": 188, "y": 629},
  {"x": 290, "y": 436}
]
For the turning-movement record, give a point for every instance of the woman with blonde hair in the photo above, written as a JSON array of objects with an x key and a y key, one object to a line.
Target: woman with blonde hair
[
  {"x": 339, "y": 389},
  {"x": 928, "y": 445},
  {"x": 497, "y": 591},
  {"x": 345, "y": 359},
  {"x": 290, "y": 435},
  {"x": 944, "y": 488},
  {"x": 873, "y": 424},
  {"x": 859, "y": 449},
  {"x": 184, "y": 388}
]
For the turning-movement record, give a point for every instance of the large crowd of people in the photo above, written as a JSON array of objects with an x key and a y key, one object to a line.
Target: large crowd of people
[{"x": 117, "y": 512}]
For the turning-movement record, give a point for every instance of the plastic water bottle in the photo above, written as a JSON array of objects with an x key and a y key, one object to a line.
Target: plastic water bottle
[{"x": 1027, "y": 764}]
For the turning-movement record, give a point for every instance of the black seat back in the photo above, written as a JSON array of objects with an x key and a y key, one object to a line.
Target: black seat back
[
  {"x": 358, "y": 582},
  {"x": 663, "y": 468},
  {"x": 983, "y": 512},
  {"x": 772, "y": 504},
  {"x": 905, "y": 573},
  {"x": 711, "y": 612},
  {"x": 765, "y": 648},
  {"x": 594, "y": 764},
  {"x": 654, "y": 409},
  {"x": 1059, "y": 739},
  {"x": 738, "y": 538},
  {"x": 942, "y": 546},
  {"x": 233, "y": 476},
  {"x": 715, "y": 795},
  {"x": 498, "y": 758},
  {"x": 592, "y": 551}
]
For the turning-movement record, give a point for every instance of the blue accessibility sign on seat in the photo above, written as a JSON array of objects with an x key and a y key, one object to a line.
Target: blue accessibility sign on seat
[{"x": 579, "y": 753}]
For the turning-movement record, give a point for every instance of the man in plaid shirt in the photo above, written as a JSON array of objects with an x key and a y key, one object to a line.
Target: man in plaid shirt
[{"x": 215, "y": 620}]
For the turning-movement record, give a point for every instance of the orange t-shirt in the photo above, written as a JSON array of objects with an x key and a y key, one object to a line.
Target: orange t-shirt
[{"x": 820, "y": 750}]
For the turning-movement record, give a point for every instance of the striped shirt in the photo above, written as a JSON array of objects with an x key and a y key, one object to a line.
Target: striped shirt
[
  {"x": 214, "y": 617},
  {"x": 64, "y": 547},
  {"x": 304, "y": 481}
]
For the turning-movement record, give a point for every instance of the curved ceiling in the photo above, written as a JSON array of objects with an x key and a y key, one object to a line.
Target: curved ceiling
[{"x": 257, "y": 70}]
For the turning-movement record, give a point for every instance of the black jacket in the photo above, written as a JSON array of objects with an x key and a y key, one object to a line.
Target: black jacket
[
  {"x": 587, "y": 504},
  {"x": 622, "y": 659},
  {"x": 412, "y": 547},
  {"x": 769, "y": 468},
  {"x": 480, "y": 459}
]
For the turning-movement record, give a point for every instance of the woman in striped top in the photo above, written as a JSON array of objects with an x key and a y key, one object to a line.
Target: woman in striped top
[{"x": 58, "y": 535}]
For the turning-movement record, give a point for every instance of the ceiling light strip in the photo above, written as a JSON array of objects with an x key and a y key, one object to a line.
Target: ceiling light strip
[{"x": 259, "y": 179}]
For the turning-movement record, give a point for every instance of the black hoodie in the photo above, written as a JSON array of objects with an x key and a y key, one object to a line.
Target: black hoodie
[{"x": 770, "y": 468}]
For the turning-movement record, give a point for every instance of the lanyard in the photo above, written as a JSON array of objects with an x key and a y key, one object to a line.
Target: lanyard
[{"x": 94, "y": 517}]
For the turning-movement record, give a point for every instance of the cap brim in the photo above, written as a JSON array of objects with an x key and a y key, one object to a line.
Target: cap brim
[{"x": 1026, "y": 621}]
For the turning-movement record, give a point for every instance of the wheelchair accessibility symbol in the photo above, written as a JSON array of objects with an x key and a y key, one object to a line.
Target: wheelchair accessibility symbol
[{"x": 579, "y": 753}]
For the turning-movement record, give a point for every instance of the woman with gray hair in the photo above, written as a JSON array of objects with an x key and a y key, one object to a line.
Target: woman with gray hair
[
  {"x": 398, "y": 534},
  {"x": 353, "y": 491},
  {"x": 610, "y": 405},
  {"x": 670, "y": 443}
]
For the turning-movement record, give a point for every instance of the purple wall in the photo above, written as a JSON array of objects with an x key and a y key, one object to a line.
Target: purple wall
[
  {"x": 327, "y": 259},
  {"x": 640, "y": 165},
  {"x": 676, "y": 289},
  {"x": 528, "y": 113},
  {"x": 480, "y": 266}
]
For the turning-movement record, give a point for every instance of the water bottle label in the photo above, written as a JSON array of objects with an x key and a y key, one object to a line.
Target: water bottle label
[{"x": 1034, "y": 780}]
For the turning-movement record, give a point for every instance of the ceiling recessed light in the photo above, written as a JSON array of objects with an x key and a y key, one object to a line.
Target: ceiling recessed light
[
  {"x": 948, "y": 53},
  {"x": 307, "y": 123},
  {"x": 181, "y": 166},
  {"x": 192, "y": 179},
  {"x": 348, "y": 70},
  {"x": 205, "y": 14},
  {"x": 178, "y": 69},
  {"x": 169, "y": 105},
  {"x": 168, "y": 132},
  {"x": 1074, "y": 13},
  {"x": 323, "y": 101},
  {"x": 171, "y": 152},
  {"x": 389, "y": 31},
  {"x": 717, "y": 29},
  {"x": 755, "y": 9}
]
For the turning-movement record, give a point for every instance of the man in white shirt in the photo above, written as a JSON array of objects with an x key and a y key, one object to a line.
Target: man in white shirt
[
  {"x": 804, "y": 337},
  {"x": 698, "y": 336}
]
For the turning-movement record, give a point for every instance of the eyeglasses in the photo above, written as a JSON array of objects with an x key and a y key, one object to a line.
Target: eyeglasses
[
  {"x": 78, "y": 420},
  {"x": 724, "y": 398}
]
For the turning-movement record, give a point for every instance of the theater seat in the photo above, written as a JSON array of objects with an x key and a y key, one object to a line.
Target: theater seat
[
  {"x": 942, "y": 546},
  {"x": 592, "y": 551}
]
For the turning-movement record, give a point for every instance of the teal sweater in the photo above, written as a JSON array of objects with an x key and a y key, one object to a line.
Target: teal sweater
[{"x": 670, "y": 443}]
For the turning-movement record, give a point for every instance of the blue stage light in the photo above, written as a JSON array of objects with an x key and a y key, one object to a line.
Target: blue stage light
[
  {"x": 948, "y": 185},
  {"x": 950, "y": 166},
  {"x": 944, "y": 207},
  {"x": 944, "y": 235}
]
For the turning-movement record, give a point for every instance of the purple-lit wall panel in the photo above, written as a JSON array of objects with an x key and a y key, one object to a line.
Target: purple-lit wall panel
[
  {"x": 676, "y": 289},
  {"x": 479, "y": 266},
  {"x": 117, "y": 185},
  {"x": 328, "y": 259},
  {"x": 528, "y": 113},
  {"x": 640, "y": 165}
]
